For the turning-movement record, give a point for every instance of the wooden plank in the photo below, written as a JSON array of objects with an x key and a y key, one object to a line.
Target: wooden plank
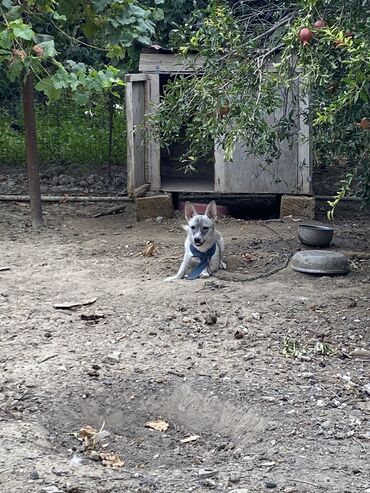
[
  {"x": 136, "y": 77},
  {"x": 304, "y": 168},
  {"x": 187, "y": 185},
  {"x": 153, "y": 151},
  {"x": 250, "y": 174},
  {"x": 169, "y": 64},
  {"x": 135, "y": 111}
]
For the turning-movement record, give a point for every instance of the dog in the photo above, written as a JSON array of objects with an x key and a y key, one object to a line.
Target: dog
[{"x": 203, "y": 244}]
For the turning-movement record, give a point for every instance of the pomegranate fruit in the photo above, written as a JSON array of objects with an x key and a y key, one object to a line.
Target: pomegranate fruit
[
  {"x": 320, "y": 23},
  {"x": 19, "y": 54},
  {"x": 305, "y": 35},
  {"x": 38, "y": 50}
]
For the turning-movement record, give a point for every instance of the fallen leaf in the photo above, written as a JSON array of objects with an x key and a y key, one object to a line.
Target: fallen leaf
[
  {"x": 112, "y": 460},
  {"x": 192, "y": 438},
  {"x": 149, "y": 250},
  {"x": 158, "y": 425},
  {"x": 88, "y": 431}
]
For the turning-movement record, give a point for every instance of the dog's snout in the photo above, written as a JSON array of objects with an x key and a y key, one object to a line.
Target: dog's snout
[{"x": 197, "y": 240}]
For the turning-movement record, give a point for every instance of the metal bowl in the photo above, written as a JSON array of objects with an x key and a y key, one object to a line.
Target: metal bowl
[
  {"x": 313, "y": 235},
  {"x": 320, "y": 262}
]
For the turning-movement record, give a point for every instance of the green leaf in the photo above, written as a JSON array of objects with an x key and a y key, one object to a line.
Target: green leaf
[
  {"x": 158, "y": 14},
  {"x": 21, "y": 30},
  {"x": 158, "y": 2},
  {"x": 8, "y": 4},
  {"x": 15, "y": 69},
  {"x": 5, "y": 41},
  {"x": 49, "y": 48},
  {"x": 59, "y": 17},
  {"x": 89, "y": 29},
  {"x": 48, "y": 88},
  {"x": 81, "y": 97}
]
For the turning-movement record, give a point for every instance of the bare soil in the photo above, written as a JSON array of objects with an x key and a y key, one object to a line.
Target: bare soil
[{"x": 277, "y": 390}]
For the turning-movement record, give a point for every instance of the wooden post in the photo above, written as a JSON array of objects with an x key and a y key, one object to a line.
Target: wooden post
[{"x": 31, "y": 150}]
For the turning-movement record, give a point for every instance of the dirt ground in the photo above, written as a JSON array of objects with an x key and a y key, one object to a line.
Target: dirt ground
[{"x": 273, "y": 396}]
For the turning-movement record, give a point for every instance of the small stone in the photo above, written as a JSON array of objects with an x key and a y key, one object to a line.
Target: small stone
[
  {"x": 249, "y": 355},
  {"x": 238, "y": 334},
  {"x": 34, "y": 475},
  {"x": 206, "y": 473},
  {"x": 270, "y": 485},
  {"x": 307, "y": 374},
  {"x": 47, "y": 335},
  {"x": 237, "y": 453},
  {"x": 256, "y": 316},
  {"x": 366, "y": 388},
  {"x": 361, "y": 353},
  {"x": 159, "y": 219},
  {"x": 50, "y": 489},
  {"x": 113, "y": 357},
  {"x": 92, "y": 372},
  {"x": 320, "y": 403},
  {"x": 211, "y": 319}
]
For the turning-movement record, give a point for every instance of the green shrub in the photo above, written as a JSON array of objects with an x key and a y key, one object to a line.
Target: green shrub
[{"x": 67, "y": 134}]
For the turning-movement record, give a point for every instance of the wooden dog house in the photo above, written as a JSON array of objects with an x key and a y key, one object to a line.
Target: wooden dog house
[{"x": 159, "y": 169}]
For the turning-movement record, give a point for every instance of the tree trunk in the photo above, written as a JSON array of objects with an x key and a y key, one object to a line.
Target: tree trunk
[{"x": 31, "y": 150}]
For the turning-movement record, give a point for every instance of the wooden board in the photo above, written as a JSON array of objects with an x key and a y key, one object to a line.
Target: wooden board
[
  {"x": 169, "y": 64},
  {"x": 187, "y": 185},
  {"x": 290, "y": 173},
  {"x": 153, "y": 151},
  {"x": 135, "y": 112}
]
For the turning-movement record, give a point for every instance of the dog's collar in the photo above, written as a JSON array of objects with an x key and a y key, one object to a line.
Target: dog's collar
[{"x": 204, "y": 258}]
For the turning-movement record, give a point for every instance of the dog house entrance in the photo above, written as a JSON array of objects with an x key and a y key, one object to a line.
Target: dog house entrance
[{"x": 174, "y": 176}]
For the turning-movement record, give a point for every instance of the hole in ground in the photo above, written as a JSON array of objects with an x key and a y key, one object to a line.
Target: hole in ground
[{"x": 126, "y": 407}]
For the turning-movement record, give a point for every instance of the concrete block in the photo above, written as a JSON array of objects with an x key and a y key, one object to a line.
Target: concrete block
[
  {"x": 297, "y": 206},
  {"x": 158, "y": 205}
]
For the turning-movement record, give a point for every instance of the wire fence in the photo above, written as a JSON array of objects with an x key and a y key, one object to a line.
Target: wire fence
[{"x": 80, "y": 148}]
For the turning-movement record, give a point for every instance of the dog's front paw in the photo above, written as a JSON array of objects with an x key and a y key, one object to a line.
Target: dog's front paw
[
  {"x": 223, "y": 266},
  {"x": 204, "y": 274}
]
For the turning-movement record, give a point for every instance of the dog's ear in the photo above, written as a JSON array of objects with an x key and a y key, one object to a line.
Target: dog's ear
[
  {"x": 189, "y": 211},
  {"x": 211, "y": 210}
]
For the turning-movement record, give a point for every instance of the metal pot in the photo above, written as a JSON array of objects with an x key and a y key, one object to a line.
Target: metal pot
[
  {"x": 320, "y": 262},
  {"x": 313, "y": 235}
]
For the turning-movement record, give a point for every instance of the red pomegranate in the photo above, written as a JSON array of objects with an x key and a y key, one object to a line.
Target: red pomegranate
[
  {"x": 320, "y": 23},
  {"x": 38, "y": 50},
  {"x": 305, "y": 35}
]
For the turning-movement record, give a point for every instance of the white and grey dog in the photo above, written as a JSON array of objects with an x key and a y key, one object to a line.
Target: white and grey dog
[{"x": 204, "y": 245}]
